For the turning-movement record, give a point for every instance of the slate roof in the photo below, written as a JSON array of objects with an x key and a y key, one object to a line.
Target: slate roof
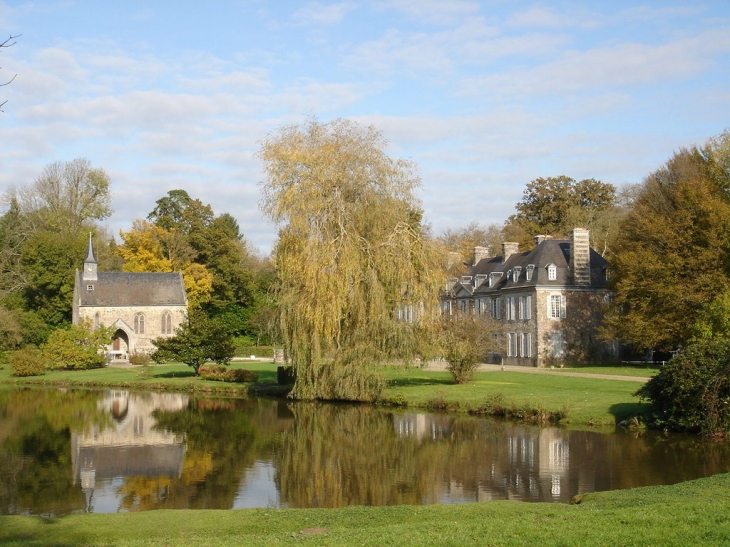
[
  {"x": 117, "y": 289},
  {"x": 550, "y": 251}
]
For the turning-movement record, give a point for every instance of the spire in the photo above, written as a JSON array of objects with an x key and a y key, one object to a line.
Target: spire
[
  {"x": 90, "y": 258},
  {"x": 90, "y": 265}
]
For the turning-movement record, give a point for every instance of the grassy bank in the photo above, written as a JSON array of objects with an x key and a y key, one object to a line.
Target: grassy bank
[
  {"x": 580, "y": 401},
  {"x": 577, "y": 401},
  {"x": 690, "y": 513}
]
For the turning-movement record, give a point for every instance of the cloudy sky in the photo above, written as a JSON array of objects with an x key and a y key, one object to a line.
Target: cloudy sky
[{"x": 482, "y": 95}]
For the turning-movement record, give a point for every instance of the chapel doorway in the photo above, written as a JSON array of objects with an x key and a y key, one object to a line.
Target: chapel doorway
[{"x": 120, "y": 346}]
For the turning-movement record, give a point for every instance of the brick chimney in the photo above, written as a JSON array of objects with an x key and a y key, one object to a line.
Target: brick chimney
[
  {"x": 509, "y": 248},
  {"x": 481, "y": 253},
  {"x": 580, "y": 256}
]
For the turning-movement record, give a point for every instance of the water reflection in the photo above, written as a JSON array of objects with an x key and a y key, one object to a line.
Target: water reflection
[
  {"x": 131, "y": 446},
  {"x": 75, "y": 451}
]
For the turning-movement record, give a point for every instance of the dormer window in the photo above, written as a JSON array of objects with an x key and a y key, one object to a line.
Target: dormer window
[
  {"x": 493, "y": 278},
  {"x": 479, "y": 279},
  {"x": 528, "y": 272},
  {"x": 89, "y": 287},
  {"x": 552, "y": 271},
  {"x": 516, "y": 274},
  {"x": 466, "y": 280}
]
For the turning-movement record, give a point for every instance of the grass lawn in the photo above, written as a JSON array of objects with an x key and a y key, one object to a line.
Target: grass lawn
[
  {"x": 639, "y": 371},
  {"x": 591, "y": 401},
  {"x": 154, "y": 377},
  {"x": 689, "y": 513}
]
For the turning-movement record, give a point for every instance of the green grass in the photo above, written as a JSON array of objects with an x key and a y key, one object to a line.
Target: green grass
[
  {"x": 587, "y": 401},
  {"x": 690, "y": 513},
  {"x": 154, "y": 377},
  {"x": 638, "y": 371}
]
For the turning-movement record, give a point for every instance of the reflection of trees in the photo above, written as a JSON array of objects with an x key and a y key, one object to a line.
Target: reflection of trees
[
  {"x": 36, "y": 474},
  {"x": 351, "y": 455}
]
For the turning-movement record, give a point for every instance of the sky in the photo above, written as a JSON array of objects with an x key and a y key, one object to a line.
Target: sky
[{"x": 483, "y": 96}]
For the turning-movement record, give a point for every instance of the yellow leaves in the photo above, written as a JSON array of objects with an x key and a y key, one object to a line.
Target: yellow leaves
[
  {"x": 144, "y": 249},
  {"x": 198, "y": 283}
]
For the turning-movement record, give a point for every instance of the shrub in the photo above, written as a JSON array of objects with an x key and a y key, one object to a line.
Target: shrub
[
  {"x": 465, "y": 342},
  {"x": 222, "y": 374},
  {"x": 27, "y": 362},
  {"x": 76, "y": 348},
  {"x": 692, "y": 391},
  {"x": 139, "y": 358}
]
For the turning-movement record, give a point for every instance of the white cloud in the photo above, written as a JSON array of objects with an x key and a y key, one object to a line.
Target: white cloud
[
  {"x": 431, "y": 11},
  {"x": 316, "y": 13}
]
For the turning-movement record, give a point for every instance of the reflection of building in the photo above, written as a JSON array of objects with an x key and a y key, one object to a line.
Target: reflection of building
[
  {"x": 132, "y": 446},
  {"x": 421, "y": 426},
  {"x": 140, "y": 306}
]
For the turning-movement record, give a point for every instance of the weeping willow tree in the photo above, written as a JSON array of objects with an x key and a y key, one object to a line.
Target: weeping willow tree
[{"x": 352, "y": 256}]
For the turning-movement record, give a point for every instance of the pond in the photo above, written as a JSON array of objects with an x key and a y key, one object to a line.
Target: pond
[{"x": 112, "y": 451}]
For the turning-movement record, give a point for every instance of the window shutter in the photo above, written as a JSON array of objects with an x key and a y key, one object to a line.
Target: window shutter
[{"x": 562, "y": 307}]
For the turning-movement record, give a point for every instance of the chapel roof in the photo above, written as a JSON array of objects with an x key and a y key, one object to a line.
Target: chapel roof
[{"x": 121, "y": 289}]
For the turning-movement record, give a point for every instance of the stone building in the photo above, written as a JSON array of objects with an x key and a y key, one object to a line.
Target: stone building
[
  {"x": 548, "y": 302},
  {"x": 140, "y": 306}
]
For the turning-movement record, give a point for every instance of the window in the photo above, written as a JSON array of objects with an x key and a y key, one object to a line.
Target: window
[
  {"x": 139, "y": 323},
  {"x": 447, "y": 307},
  {"x": 511, "y": 308},
  {"x": 496, "y": 309},
  {"x": 557, "y": 349},
  {"x": 166, "y": 327},
  {"x": 526, "y": 343},
  {"x": 512, "y": 347},
  {"x": 556, "y": 306},
  {"x": 525, "y": 307},
  {"x": 528, "y": 272},
  {"x": 516, "y": 274},
  {"x": 493, "y": 277},
  {"x": 552, "y": 272},
  {"x": 97, "y": 320},
  {"x": 89, "y": 287},
  {"x": 479, "y": 279}
]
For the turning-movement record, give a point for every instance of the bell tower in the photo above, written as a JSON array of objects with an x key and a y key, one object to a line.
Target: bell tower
[{"x": 90, "y": 264}]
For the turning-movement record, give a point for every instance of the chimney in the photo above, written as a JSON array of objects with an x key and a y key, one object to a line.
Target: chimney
[
  {"x": 580, "y": 256},
  {"x": 540, "y": 238},
  {"x": 508, "y": 249},
  {"x": 481, "y": 253}
]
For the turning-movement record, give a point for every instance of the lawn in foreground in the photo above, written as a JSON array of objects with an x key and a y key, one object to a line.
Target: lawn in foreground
[{"x": 689, "y": 513}]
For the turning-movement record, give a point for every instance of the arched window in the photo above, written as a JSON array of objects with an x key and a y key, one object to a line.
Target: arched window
[
  {"x": 139, "y": 323},
  {"x": 166, "y": 327}
]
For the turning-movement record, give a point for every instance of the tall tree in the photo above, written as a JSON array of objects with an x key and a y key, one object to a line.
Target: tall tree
[
  {"x": 66, "y": 197},
  {"x": 556, "y": 205},
  {"x": 351, "y": 250},
  {"x": 673, "y": 259}
]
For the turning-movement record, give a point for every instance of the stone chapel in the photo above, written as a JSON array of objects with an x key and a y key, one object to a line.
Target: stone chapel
[{"x": 140, "y": 306}]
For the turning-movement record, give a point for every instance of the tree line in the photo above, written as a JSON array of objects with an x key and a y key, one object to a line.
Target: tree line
[{"x": 45, "y": 228}]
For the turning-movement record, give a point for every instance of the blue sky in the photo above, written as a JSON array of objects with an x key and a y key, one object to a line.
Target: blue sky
[{"x": 483, "y": 96}]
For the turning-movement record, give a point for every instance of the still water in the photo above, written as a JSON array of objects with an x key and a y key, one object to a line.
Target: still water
[{"x": 110, "y": 451}]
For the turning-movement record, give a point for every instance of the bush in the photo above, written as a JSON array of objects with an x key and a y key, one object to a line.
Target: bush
[
  {"x": 465, "y": 342},
  {"x": 27, "y": 362},
  {"x": 138, "y": 358},
  {"x": 222, "y": 374},
  {"x": 692, "y": 391},
  {"x": 76, "y": 348}
]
